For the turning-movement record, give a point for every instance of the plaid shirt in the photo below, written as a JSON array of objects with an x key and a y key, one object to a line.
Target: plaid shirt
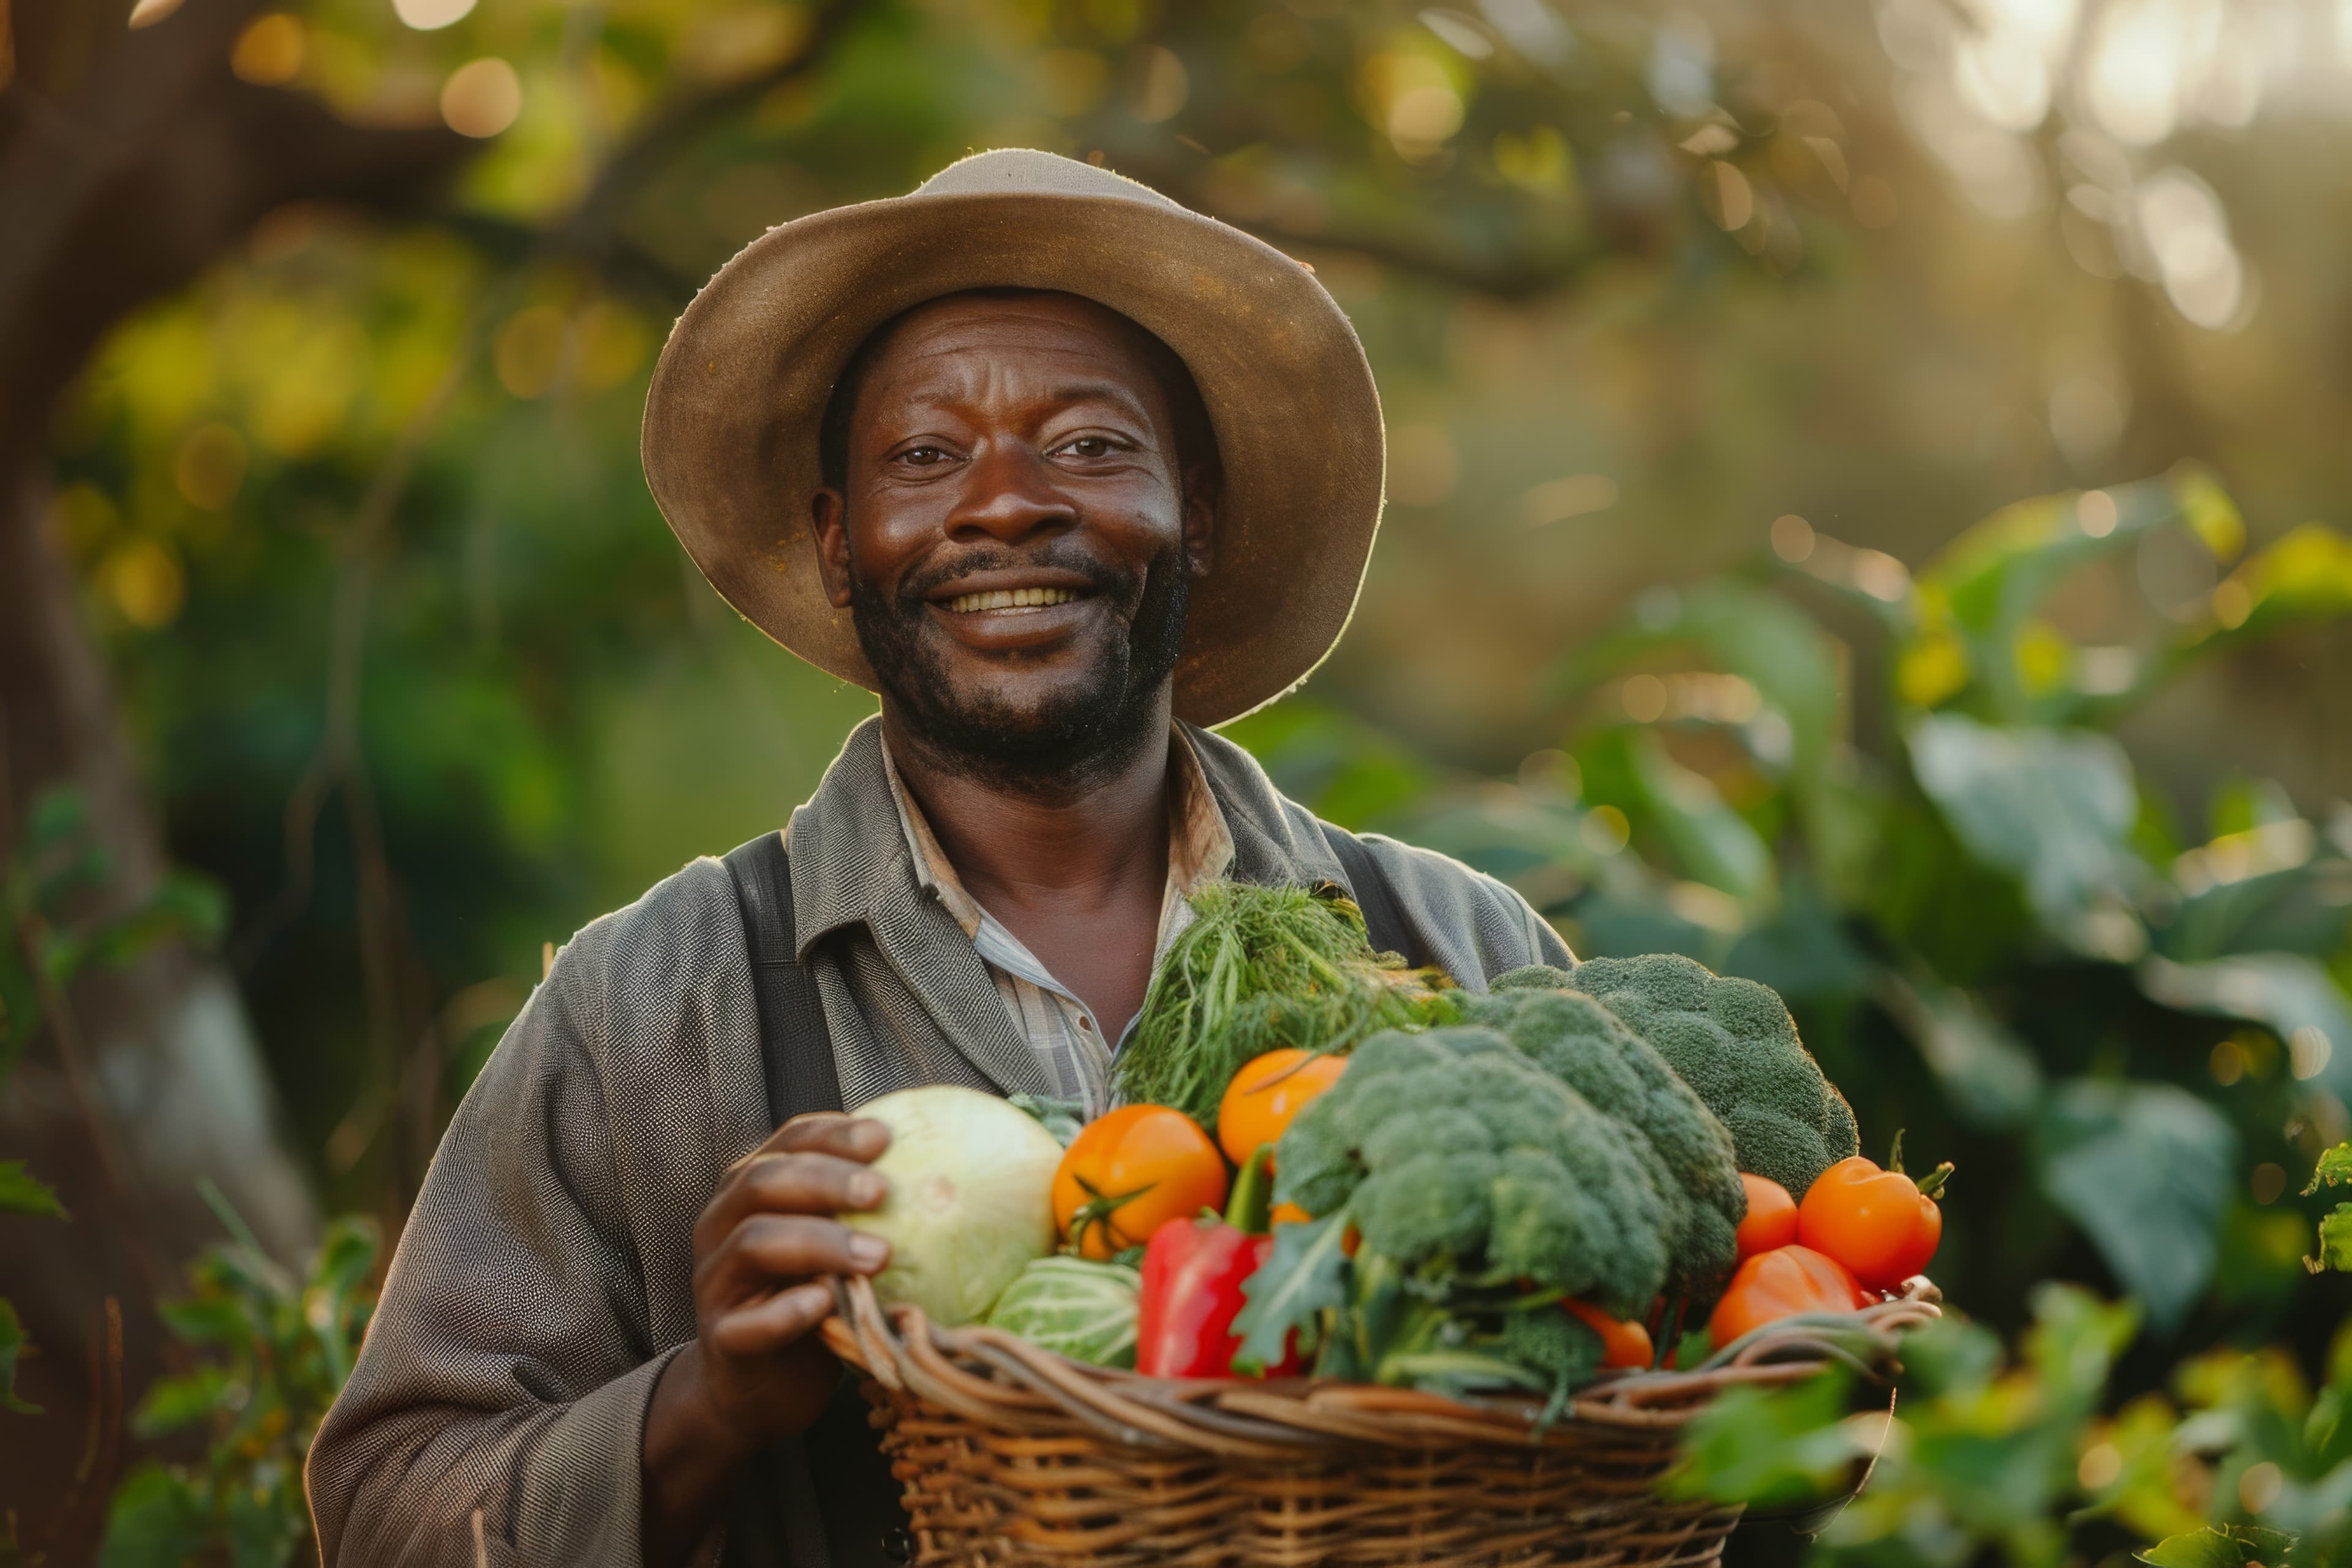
[{"x": 1069, "y": 1041}]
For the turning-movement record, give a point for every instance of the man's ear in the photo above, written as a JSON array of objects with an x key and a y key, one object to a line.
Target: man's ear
[
  {"x": 829, "y": 531},
  {"x": 1200, "y": 497}
]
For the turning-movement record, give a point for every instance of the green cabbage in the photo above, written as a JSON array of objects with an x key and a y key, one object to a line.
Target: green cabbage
[
  {"x": 970, "y": 1201},
  {"x": 1080, "y": 1310}
]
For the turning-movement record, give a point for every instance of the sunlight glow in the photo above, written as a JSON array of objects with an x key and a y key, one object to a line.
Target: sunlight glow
[{"x": 427, "y": 15}]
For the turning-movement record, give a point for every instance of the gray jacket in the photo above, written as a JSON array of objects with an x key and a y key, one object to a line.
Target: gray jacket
[{"x": 544, "y": 1281}]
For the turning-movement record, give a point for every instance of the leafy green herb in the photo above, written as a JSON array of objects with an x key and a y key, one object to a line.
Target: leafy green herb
[{"x": 1257, "y": 969}]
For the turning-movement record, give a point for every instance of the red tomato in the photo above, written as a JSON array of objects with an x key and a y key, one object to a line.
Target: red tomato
[{"x": 1780, "y": 1284}]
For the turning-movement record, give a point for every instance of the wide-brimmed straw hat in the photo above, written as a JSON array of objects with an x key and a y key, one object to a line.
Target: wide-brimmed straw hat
[{"x": 730, "y": 431}]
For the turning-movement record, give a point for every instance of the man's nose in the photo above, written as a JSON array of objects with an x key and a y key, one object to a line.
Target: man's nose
[{"x": 1009, "y": 492}]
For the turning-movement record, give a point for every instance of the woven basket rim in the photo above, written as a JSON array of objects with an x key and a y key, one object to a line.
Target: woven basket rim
[{"x": 1000, "y": 1381}]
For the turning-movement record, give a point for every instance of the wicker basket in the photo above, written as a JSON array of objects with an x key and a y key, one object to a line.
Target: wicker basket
[{"x": 1012, "y": 1455}]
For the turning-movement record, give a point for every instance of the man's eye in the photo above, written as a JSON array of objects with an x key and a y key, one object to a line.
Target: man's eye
[
  {"x": 922, "y": 457},
  {"x": 1089, "y": 446}
]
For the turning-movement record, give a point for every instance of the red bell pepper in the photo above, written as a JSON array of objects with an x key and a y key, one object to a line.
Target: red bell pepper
[{"x": 1192, "y": 1274}]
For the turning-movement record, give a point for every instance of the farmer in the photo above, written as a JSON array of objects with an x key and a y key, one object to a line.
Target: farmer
[{"x": 1064, "y": 472}]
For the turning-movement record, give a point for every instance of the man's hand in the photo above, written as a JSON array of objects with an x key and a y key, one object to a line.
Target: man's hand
[{"x": 756, "y": 1371}]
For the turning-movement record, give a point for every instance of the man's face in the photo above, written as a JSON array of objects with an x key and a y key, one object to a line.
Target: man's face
[{"x": 1015, "y": 534}]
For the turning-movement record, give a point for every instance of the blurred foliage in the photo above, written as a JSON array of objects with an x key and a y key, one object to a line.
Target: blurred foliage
[
  {"x": 1989, "y": 930},
  {"x": 55, "y": 923},
  {"x": 2033, "y": 1461},
  {"x": 276, "y": 1347}
]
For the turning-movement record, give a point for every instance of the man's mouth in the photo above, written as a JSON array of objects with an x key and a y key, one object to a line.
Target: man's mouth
[{"x": 1011, "y": 599}]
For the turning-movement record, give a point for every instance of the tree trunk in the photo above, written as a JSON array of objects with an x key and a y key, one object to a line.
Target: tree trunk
[
  {"x": 128, "y": 160},
  {"x": 162, "y": 1058}
]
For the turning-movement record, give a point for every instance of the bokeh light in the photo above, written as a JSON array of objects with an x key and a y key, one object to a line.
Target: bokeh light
[
  {"x": 269, "y": 52},
  {"x": 481, "y": 97},
  {"x": 429, "y": 16}
]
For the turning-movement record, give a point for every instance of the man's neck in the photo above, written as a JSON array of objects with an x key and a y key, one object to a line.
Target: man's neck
[{"x": 1045, "y": 849}]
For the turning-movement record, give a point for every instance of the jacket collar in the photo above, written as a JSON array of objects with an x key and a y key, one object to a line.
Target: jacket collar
[
  {"x": 851, "y": 864},
  {"x": 850, "y": 857}
]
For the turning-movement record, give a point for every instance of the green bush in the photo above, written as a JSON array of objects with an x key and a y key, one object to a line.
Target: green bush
[{"x": 277, "y": 1348}]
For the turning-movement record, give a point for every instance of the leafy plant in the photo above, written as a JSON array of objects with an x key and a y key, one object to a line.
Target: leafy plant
[
  {"x": 1899, "y": 801},
  {"x": 2032, "y": 1459},
  {"x": 277, "y": 1348},
  {"x": 49, "y": 881}
]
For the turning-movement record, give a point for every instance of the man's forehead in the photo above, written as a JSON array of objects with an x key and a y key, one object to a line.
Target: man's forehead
[{"x": 1059, "y": 326}]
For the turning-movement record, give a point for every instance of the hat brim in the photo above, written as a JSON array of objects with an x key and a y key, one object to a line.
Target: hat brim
[{"x": 729, "y": 440}]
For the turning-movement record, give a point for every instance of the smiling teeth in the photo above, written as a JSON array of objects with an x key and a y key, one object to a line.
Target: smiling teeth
[{"x": 1011, "y": 599}]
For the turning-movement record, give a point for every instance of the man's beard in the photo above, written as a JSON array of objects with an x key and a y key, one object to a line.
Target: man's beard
[{"x": 1071, "y": 737}]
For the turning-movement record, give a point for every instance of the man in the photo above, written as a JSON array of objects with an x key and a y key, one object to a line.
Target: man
[{"x": 1064, "y": 472}]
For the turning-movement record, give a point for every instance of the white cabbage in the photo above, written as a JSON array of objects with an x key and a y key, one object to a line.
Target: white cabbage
[{"x": 971, "y": 1203}]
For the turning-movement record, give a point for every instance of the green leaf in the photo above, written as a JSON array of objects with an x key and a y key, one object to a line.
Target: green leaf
[
  {"x": 1705, "y": 838},
  {"x": 1997, "y": 573},
  {"x": 1305, "y": 1272},
  {"x": 1993, "y": 1080},
  {"x": 1951, "y": 1356},
  {"x": 2055, "y": 809},
  {"x": 2335, "y": 1167},
  {"x": 172, "y": 1402},
  {"x": 2306, "y": 576},
  {"x": 1341, "y": 768},
  {"x": 158, "y": 1519},
  {"x": 264, "y": 1526},
  {"x": 2073, "y": 1344},
  {"x": 2294, "y": 996},
  {"x": 1767, "y": 1447},
  {"x": 2221, "y": 1546},
  {"x": 2335, "y": 1242},
  {"x": 210, "y": 1319},
  {"x": 21, "y": 1193},
  {"x": 2146, "y": 1170},
  {"x": 1743, "y": 630},
  {"x": 347, "y": 1253},
  {"x": 1062, "y": 1118},
  {"x": 13, "y": 1344}
]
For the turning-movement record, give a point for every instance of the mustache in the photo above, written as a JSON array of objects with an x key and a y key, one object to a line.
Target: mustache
[{"x": 918, "y": 585}]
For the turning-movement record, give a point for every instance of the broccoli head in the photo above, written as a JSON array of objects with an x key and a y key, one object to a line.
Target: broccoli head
[
  {"x": 1449, "y": 1147},
  {"x": 1554, "y": 1343},
  {"x": 1690, "y": 1155},
  {"x": 1733, "y": 1042}
]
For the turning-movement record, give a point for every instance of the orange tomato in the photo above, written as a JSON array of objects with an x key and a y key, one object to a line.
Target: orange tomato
[
  {"x": 1621, "y": 1344},
  {"x": 1771, "y": 1216},
  {"x": 1266, "y": 1093},
  {"x": 1130, "y": 1172},
  {"x": 1291, "y": 1214},
  {"x": 1880, "y": 1224},
  {"x": 1779, "y": 1284}
]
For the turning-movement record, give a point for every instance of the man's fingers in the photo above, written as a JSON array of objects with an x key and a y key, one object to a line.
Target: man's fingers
[
  {"x": 857, "y": 1138},
  {"x": 813, "y": 1184},
  {"x": 770, "y": 1247},
  {"x": 795, "y": 1182},
  {"x": 771, "y": 1323}
]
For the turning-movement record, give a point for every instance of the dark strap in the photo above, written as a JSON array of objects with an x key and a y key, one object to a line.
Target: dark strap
[
  {"x": 795, "y": 1045},
  {"x": 1390, "y": 932},
  {"x": 835, "y": 1477}
]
